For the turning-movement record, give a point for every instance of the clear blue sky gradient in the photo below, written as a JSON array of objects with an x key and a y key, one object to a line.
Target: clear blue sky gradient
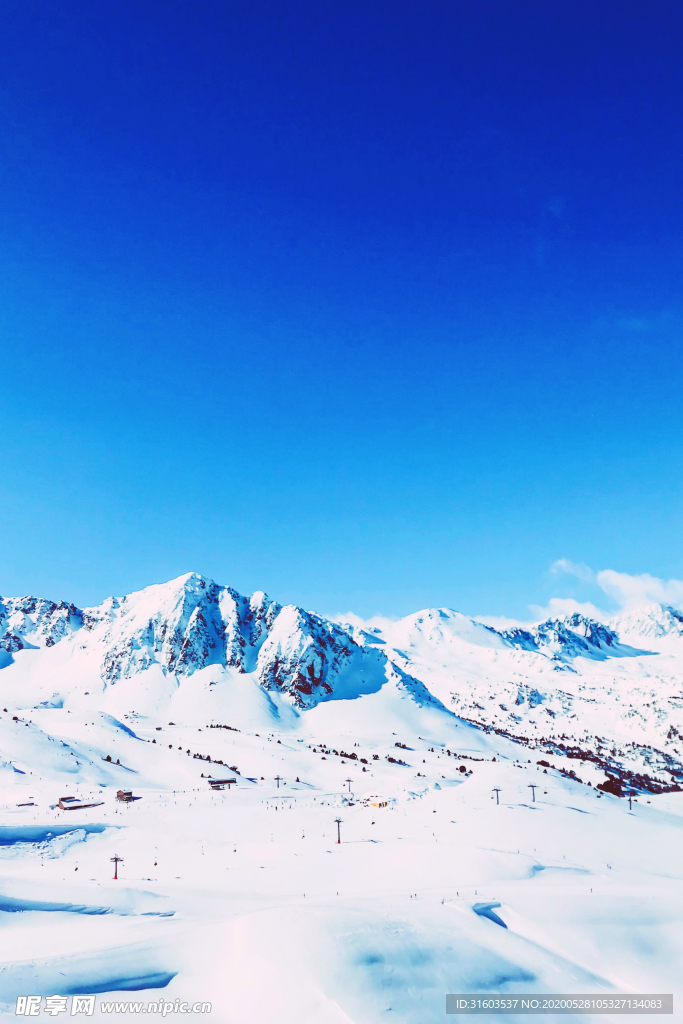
[{"x": 372, "y": 305}]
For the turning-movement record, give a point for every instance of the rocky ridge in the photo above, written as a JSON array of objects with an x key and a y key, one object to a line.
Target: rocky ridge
[{"x": 192, "y": 623}]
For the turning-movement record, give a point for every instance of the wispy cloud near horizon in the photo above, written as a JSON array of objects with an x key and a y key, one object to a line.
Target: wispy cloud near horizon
[{"x": 625, "y": 590}]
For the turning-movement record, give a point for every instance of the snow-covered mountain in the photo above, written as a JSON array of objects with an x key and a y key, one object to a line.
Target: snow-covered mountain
[
  {"x": 174, "y": 630},
  {"x": 474, "y": 773},
  {"x": 654, "y": 622},
  {"x": 564, "y": 685},
  {"x": 608, "y": 694},
  {"x": 574, "y": 636}
]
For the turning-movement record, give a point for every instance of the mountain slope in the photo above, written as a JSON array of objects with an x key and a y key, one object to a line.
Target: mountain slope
[{"x": 569, "y": 684}]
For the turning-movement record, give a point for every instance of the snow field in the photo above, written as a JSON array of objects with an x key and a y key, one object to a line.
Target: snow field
[{"x": 232, "y": 870}]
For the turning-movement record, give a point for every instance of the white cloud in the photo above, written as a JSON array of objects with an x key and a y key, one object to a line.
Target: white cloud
[
  {"x": 351, "y": 619},
  {"x": 635, "y": 591}
]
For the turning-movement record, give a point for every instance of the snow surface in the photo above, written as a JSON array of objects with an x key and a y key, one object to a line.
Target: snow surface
[{"x": 243, "y": 897}]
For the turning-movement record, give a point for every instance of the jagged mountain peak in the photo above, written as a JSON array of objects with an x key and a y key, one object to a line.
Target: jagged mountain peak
[
  {"x": 161, "y": 594},
  {"x": 186, "y": 624},
  {"x": 566, "y": 638},
  {"x": 191, "y": 586},
  {"x": 192, "y": 623},
  {"x": 594, "y": 632}
]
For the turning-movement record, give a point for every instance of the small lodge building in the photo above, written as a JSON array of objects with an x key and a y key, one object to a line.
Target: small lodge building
[
  {"x": 73, "y": 803},
  {"x": 220, "y": 783},
  {"x": 125, "y": 796}
]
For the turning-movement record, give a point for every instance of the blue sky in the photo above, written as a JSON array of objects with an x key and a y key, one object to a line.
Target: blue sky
[{"x": 371, "y": 305}]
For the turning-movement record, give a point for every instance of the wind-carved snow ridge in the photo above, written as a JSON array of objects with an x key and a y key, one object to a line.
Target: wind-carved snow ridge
[{"x": 416, "y": 689}]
